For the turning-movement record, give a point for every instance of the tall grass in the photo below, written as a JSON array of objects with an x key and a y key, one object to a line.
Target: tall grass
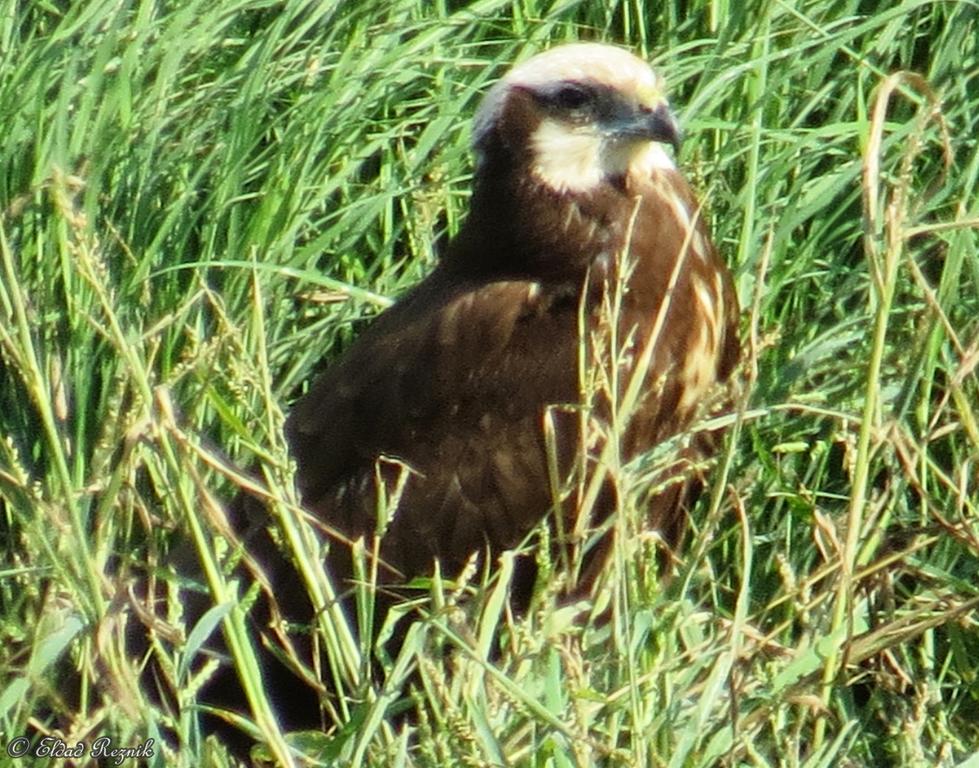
[{"x": 201, "y": 202}]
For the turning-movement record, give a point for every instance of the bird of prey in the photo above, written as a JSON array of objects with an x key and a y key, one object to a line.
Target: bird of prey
[
  {"x": 468, "y": 401},
  {"x": 580, "y": 315}
]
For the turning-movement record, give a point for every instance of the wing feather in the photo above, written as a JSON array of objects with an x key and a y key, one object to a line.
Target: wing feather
[{"x": 454, "y": 380}]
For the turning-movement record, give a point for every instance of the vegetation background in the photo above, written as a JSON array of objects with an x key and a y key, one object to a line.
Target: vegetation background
[{"x": 201, "y": 202}]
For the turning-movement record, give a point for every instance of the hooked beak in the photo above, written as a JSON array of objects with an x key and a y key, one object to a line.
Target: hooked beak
[{"x": 656, "y": 124}]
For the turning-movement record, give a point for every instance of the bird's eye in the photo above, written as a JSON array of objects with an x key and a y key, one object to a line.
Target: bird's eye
[{"x": 571, "y": 97}]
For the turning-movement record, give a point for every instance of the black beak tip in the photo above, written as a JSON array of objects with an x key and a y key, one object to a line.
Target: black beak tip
[{"x": 652, "y": 124}]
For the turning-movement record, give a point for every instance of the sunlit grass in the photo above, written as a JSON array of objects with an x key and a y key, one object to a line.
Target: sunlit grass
[{"x": 200, "y": 203}]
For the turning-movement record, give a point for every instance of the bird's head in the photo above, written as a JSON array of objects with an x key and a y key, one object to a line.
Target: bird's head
[{"x": 578, "y": 115}]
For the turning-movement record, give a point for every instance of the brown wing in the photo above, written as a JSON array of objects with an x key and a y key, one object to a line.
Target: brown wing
[{"x": 452, "y": 381}]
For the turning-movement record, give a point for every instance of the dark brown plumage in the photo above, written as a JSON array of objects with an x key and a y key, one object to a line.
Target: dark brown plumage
[{"x": 452, "y": 383}]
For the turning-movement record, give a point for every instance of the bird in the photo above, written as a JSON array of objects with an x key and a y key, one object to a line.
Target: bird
[
  {"x": 580, "y": 318},
  {"x": 466, "y": 405}
]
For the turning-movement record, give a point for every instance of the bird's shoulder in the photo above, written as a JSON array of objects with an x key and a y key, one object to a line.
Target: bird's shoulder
[{"x": 430, "y": 368}]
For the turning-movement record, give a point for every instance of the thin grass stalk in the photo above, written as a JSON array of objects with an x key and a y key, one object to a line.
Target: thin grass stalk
[
  {"x": 235, "y": 628},
  {"x": 883, "y": 270},
  {"x": 93, "y": 604}
]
